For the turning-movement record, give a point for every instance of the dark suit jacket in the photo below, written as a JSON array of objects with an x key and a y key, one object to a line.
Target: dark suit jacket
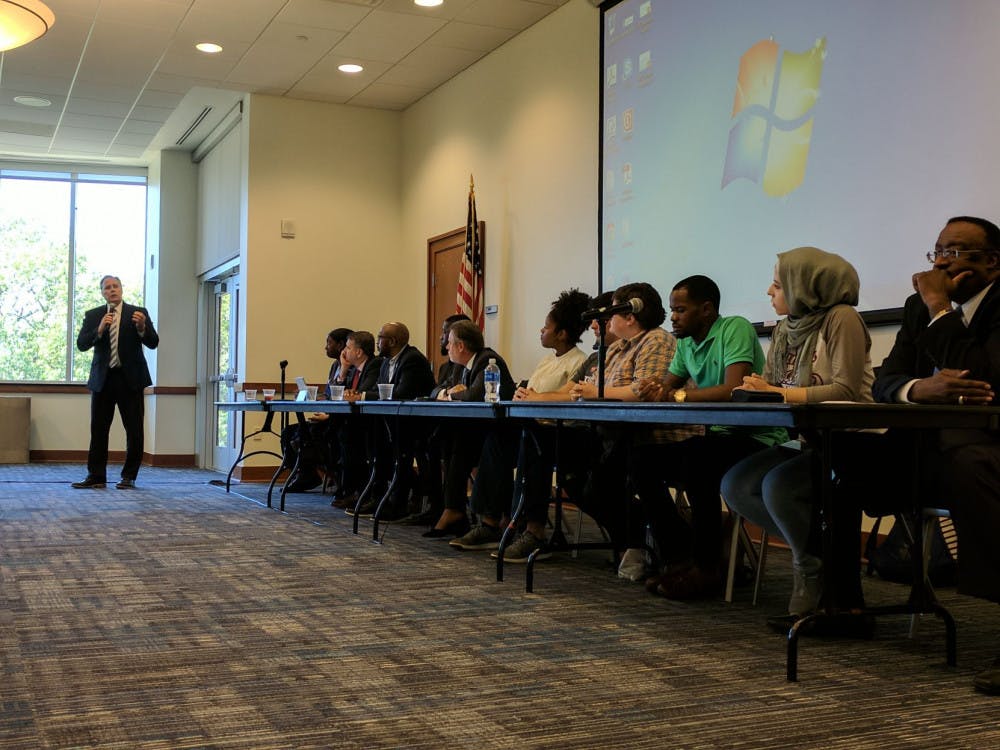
[
  {"x": 449, "y": 374},
  {"x": 369, "y": 376},
  {"x": 412, "y": 378},
  {"x": 946, "y": 344},
  {"x": 133, "y": 361},
  {"x": 475, "y": 380}
]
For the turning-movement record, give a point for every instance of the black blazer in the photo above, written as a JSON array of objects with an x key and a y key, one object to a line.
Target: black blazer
[
  {"x": 449, "y": 374},
  {"x": 475, "y": 381},
  {"x": 369, "y": 376},
  {"x": 412, "y": 378},
  {"x": 946, "y": 344},
  {"x": 133, "y": 361}
]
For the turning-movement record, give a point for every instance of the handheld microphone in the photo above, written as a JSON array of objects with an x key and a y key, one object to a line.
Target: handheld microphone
[
  {"x": 283, "y": 364},
  {"x": 633, "y": 306}
]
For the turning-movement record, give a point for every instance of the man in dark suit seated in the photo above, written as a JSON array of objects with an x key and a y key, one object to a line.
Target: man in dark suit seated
[
  {"x": 409, "y": 372},
  {"x": 462, "y": 445},
  {"x": 428, "y": 452},
  {"x": 947, "y": 351},
  {"x": 349, "y": 432},
  {"x": 116, "y": 332},
  {"x": 313, "y": 433}
]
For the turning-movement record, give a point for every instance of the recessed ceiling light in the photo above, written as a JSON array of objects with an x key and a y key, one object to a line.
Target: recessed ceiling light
[
  {"x": 32, "y": 101},
  {"x": 349, "y": 68},
  {"x": 209, "y": 48},
  {"x": 428, "y": 3}
]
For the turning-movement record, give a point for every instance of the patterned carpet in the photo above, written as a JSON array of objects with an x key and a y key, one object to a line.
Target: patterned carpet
[{"x": 177, "y": 616}]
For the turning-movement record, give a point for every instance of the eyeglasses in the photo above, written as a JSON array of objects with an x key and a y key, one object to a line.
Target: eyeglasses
[{"x": 952, "y": 252}]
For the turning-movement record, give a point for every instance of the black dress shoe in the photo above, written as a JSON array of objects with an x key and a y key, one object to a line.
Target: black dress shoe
[
  {"x": 303, "y": 483},
  {"x": 125, "y": 484},
  {"x": 90, "y": 483},
  {"x": 365, "y": 510},
  {"x": 426, "y": 518},
  {"x": 988, "y": 681},
  {"x": 391, "y": 513},
  {"x": 345, "y": 501},
  {"x": 455, "y": 528}
]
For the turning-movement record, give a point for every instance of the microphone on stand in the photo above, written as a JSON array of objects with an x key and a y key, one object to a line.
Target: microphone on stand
[
  {"x": 633, "y": 306},
  {"x": 283, "y": 364}
]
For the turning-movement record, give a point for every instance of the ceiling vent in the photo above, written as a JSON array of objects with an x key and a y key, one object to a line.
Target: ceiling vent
[{"x": 193, "y": 126}]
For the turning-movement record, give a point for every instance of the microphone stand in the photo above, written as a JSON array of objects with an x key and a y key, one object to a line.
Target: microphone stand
[
  {"x": 602, "y": 350},
  {"x": 284, "y": 415}
]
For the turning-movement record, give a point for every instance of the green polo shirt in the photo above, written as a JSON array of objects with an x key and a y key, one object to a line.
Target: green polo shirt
[{"x": 729, "y": 341}]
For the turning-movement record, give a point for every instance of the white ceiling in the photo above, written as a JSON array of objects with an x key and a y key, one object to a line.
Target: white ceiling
[{"x": 124, "y": 77}]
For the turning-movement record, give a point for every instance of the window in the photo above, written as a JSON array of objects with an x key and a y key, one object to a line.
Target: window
[{"x": 60, "y": 232}]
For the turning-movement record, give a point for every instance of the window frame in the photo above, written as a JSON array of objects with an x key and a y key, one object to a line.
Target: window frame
[{"x": 75, "y": 175}]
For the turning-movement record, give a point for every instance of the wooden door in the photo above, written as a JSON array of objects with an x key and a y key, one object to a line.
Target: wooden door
[{"x": 444, "y": 259}]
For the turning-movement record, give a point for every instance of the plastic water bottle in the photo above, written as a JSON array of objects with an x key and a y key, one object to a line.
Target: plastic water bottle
[{"x": 491, "y": 378}]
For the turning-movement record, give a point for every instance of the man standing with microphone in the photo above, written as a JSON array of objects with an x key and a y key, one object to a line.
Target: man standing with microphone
[{"x": 118, "y": 375}]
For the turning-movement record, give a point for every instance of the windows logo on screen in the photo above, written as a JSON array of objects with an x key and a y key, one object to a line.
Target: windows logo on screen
[{"x": 772, "y": 112}]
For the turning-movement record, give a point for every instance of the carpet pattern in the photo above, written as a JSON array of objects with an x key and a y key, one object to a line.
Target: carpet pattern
[{"x": 178, "y": 616}]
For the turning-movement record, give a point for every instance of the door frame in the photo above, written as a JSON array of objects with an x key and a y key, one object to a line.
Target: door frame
[{"x": 448, "y": 242}]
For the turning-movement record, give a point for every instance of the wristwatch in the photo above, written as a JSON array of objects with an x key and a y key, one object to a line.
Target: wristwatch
[{"x": 680, "y": 395}]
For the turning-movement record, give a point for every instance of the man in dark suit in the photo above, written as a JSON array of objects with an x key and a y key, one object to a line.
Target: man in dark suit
[
  {"x": 428, "y": 452},
  {"x": 116, "y": 332},
  {"x": 463, "y": 445},
  {"x": 350, "y": 430},
  {"x": 947, "y": 351},
  {"x": 403, "y": 365},
  {"x": 410, "y": 374}
]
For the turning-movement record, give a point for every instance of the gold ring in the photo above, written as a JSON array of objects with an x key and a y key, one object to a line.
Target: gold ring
[{"x": 961, "y": 400}]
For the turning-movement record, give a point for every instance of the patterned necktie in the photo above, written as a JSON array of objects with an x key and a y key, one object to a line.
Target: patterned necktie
[{"x": 115, "y": 362}]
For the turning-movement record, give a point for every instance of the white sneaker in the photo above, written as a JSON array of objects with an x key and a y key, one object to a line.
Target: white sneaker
[
  {"x": 807, "y": 586},
  {"x": 633, "y": 565}
]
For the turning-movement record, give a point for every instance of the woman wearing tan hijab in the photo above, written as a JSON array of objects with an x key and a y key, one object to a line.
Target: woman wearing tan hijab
[{"x": 819, "y": 352}]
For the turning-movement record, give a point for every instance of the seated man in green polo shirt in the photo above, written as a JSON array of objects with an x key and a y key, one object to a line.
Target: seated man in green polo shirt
[{"x": 715, "y": 353}]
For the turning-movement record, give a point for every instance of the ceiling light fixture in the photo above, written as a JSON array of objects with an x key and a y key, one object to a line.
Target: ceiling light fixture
[
  {"x": 349, "y": 68},
  {"x": 23, "y": 21},
  {"x": 428, "y": 3},
  {"x": 209, "y": 48},
  {"x": 32, "y": 101}
]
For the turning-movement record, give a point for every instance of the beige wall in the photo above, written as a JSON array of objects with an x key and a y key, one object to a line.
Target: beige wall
[
  {"x": 334, "y": 171},
  {"x": 523, "y": 121}
]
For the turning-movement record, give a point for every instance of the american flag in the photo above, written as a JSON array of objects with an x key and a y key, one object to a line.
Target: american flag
[{"x": 469, "y": 298}]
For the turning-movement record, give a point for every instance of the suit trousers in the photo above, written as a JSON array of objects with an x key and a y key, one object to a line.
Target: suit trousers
[{"x": 116, "y": 393}]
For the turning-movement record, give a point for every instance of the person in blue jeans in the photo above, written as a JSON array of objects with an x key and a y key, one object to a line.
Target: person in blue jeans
[{"x": 820, "y": 351}]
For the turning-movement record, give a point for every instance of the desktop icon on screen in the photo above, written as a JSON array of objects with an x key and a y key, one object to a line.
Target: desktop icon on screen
[{"x": 773, "y": 116}]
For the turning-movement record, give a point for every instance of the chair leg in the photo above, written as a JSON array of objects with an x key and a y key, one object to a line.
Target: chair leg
[
  {"x": 734, "y": 548},
  {"x": 757, "y": 557},
  {"x": 761, "y": 559},
  {"x": 928, "y": 536}
]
